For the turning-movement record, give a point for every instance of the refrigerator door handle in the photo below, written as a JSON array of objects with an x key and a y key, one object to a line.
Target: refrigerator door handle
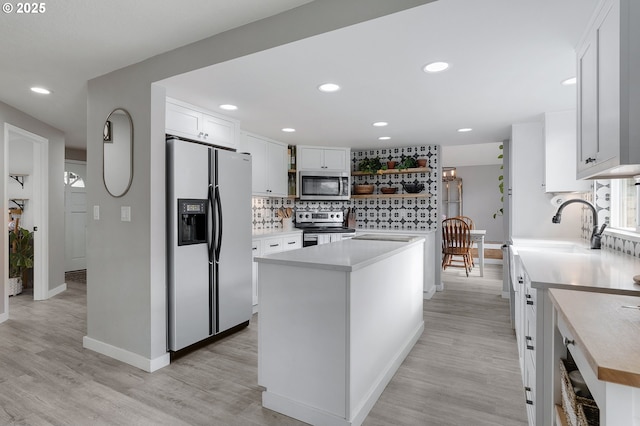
[
  {"x": 218, "y": 203},
  {"x": 211, "y": 236}
]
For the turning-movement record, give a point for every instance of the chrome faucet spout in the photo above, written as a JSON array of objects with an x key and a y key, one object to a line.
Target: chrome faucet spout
[{"x": 596, "y": 235}]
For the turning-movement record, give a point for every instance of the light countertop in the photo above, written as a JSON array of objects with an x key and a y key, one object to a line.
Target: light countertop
[
  {"x": 274, "y": 232},
  {"x": 605, "y": 332},
  {"x": 572, "y": 265},
  {"x": 394, "y": 231},
  {"x": 346, "y": 255}
]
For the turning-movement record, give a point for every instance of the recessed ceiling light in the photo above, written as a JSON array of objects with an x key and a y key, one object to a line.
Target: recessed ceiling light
[
  {"x": 40, "y": 90},
  {"x": 436, "y": 67},
  {"x": 465, "y": 129},
  {"x": 569, "y": 81},
  {"x": 289, "y": 130},
  {"x": 384, "y": 138},
  {"x": 380, "y": 124},
  {"x": 328, "y": 87},
  {"x": 228, "y": 107}
]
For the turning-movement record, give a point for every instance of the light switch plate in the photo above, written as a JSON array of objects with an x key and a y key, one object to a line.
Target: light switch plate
[
  {"x": 125, "y": 213},
  {"x": 96, "y": 212}
]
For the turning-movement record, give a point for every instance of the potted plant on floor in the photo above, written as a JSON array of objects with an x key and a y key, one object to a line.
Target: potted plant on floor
[{"x": 20, "y": 258}]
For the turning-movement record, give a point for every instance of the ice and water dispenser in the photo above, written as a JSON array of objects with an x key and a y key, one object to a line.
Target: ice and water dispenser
[{"x": 192, "y": 221}]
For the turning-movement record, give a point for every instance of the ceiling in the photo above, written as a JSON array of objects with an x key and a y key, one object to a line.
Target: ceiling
[{"x": 507, "y": 61}]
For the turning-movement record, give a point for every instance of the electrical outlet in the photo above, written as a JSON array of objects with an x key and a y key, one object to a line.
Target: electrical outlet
[
  {"x": 96, "y": 212},
  {"x": 125, "y": 213}
]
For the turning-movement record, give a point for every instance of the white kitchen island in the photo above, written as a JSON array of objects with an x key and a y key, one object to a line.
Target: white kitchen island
[{"x": 335, "y": 323}]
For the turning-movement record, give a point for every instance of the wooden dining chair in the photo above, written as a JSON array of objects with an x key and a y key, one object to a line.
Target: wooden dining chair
[
  {"x": 471, "y": 225},
  {"x": 467, "y": 220},
  {"x": 456, "y": 241}
]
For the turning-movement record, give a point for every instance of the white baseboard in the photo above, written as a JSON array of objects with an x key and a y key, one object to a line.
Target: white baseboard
[
  {"x": 428, "y": 294},
  {"x": 440, "y": 287},
  {"x": 62, "y": 287},
  {"x": 146, "y": 364},
  {"x": 4, "y": 317},
  {"x": 505, "y": 295}
]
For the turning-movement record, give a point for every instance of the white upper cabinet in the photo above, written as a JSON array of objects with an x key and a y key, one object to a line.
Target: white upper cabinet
[
  {"x": 191, "y": 122},
  {"x": 323, "y": 158},
  {"x": 608, "y": 68},
  {"x": 560, "y": 152},
  {"x": 269, "y": 165}
]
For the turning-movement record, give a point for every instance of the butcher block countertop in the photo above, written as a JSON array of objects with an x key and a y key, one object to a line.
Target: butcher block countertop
[{"x": 607, "y": 333}]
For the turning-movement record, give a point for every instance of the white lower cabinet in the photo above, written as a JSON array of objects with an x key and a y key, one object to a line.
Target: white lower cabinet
[{"x": 268, "y": 244}]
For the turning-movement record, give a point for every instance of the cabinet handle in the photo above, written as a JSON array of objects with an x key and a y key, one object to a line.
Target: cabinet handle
[
  {"x": 254, "y": 248},
  {"x": 528, "y": 339},
  {"x": 206, "y": 135},
  {"x": 589, "y": 160},
  {"x": 568, "y": 342},
  {"x": 291, "y": 242},
  {"x": 200, "y": 134},
  {"x": 274, "y": 245},
  {"x": 527, "y": 400},
  {"x": 520, "y": 280},
  {"x": 529, "y": 302}
]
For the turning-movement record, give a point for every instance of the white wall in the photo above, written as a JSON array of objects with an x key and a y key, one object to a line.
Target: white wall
[
  {"x": 55, "y": 224},
  {"x": 531, "y": 209},
  {"x": 126, "y": 288},
  {"x": 481, "y": 199}
]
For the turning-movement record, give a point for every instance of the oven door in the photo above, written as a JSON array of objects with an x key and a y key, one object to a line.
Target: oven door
[
  {"x": 324, "y": 185},
  {"x": 309, "y": 240}
]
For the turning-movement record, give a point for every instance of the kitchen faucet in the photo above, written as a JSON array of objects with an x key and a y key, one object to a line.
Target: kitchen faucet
[{"x": 596, "y": 235}]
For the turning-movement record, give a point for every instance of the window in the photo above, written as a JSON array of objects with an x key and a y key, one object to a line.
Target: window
[
  {"x": 73, "y": 179},
  {"x": 624, "y": 204}
]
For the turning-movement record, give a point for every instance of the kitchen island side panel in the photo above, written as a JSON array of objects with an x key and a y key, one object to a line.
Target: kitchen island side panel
[
  {"x": 331, "y": 340},
  {"x": 302, "y": 335}
]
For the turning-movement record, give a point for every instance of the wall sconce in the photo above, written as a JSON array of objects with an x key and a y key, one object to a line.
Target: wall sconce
[{"x": 448, "y": 174}]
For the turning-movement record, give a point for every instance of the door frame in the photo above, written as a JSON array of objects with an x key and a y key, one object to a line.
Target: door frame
[
  {"x": 40, "y": 215},
  {"x": 81, "y": 163}
]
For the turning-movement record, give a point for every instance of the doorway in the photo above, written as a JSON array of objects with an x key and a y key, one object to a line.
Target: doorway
[
  {"x": 75, "y": 215},
  {"x": 32, "y": 195}
]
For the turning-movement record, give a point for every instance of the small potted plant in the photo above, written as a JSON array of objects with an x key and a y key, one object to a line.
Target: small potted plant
[
  {"x": 370, "y": 165},
  {"x": 20, "y": 258}
]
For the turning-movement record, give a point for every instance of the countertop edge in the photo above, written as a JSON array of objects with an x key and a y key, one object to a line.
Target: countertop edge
[
  {"x": 333, "y": 267},
  {"x": 600, "y": 368}
]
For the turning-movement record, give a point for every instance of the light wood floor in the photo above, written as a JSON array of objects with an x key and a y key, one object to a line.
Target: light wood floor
[{"x": 462, "y": 371}]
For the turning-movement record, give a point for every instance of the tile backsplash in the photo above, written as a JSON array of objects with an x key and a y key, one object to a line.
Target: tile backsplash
[{"x": 410, "y": 213}]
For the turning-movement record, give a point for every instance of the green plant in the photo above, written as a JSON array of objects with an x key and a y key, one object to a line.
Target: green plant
[
  {"x": 407, "y": 163},
  {"x": 500, "y": 211},
  {"x": 370, "y": 165},
  {"x": 20, "y": 252}
]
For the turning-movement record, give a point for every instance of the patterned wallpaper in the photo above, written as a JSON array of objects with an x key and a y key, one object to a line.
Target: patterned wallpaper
[{"x": 411, "y": 213}]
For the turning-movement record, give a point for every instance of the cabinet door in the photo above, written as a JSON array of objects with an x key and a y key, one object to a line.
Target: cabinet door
[
  {"x": 336, "y": 159},
  {"x": 277, "y": 174},
  {"x": 258, "y": 150},
  {"x": 181, "y": 121},
  {"x": 608, "y": 69},
  {"x": 310, "y": 158},
  {"x": 587, "y": 105},
  {"x": 218, "y": 131}
]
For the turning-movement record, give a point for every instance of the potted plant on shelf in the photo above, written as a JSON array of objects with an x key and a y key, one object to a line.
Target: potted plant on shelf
[
  {"x": 20, "y": 258},
  {"x": 370, "y": 165},
  {"x": 407, "y": 163}
]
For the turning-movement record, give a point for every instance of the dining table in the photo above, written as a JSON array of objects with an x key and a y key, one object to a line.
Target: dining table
[{"x": 477, "y": 236}]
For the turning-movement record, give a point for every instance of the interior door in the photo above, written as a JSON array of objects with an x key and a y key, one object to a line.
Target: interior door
[{"x": 75, "y": 217}]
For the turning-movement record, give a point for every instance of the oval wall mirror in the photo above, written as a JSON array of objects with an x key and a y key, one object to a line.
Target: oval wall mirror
[{"x": 117, "y": 152}]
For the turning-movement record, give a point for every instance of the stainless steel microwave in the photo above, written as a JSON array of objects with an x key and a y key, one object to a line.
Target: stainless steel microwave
[{"x": 324, "y": 185}]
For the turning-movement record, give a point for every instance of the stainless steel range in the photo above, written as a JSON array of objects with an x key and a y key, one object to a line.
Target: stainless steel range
[{"x": 322, "y": 227}]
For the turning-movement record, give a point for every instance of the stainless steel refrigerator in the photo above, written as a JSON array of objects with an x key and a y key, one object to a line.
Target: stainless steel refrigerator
[{"x": 209, "y": 241}]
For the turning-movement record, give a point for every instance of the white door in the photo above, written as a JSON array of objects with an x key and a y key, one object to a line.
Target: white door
[{"x": 75, "y": 217}]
